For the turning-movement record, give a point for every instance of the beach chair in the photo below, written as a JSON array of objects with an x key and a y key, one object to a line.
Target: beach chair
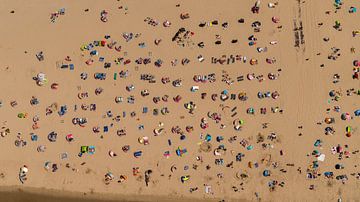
[{"x": 71, "y": 66}]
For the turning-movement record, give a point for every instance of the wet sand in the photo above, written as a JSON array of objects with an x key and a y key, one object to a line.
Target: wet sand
[{"x": 21, "y": 194}]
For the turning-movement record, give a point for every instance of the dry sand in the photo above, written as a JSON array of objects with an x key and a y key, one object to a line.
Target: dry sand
[{"x": 303, "y": 86}]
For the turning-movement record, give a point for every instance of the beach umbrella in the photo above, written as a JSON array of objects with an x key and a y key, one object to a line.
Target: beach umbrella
[
  {"x": 47, "y": 165},
  {"x": 143, "y": 140},
  {"x": 356, "y": 63},
  {"x": 69, "y": 137},
  {"x": 275, "y": 95},
  {"x": 329, "y": 120},
  {"x": 250, "y": 76},
  {"x": 348, "y": 129},
  {"x": 52, "y": 136},
  {"x": 345, "y": 116},
  {"x": 208, "y": 138},
  {"x": 24, "y": 169},
  {"x": 41, "y": 77},
  {"x": 332, "y": 93},
  {"x": 253, "y": 62},
  {"x": 321, "y": 157},
  {"x": 266, "y": 173}
]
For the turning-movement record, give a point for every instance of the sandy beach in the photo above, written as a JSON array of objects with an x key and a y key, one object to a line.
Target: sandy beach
[{"x": 179, "y": 100}]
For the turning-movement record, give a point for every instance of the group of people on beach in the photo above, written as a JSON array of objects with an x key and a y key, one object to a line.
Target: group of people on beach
[{"x": 218, "y": 131}]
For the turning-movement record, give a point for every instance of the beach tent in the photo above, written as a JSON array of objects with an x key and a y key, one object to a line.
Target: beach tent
[
  {"x": 84, "y": 149},
  {"x": 357, "y": 112},
  {"x": 137, "y": 154},
  {"x": 185, "y": 178}
]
